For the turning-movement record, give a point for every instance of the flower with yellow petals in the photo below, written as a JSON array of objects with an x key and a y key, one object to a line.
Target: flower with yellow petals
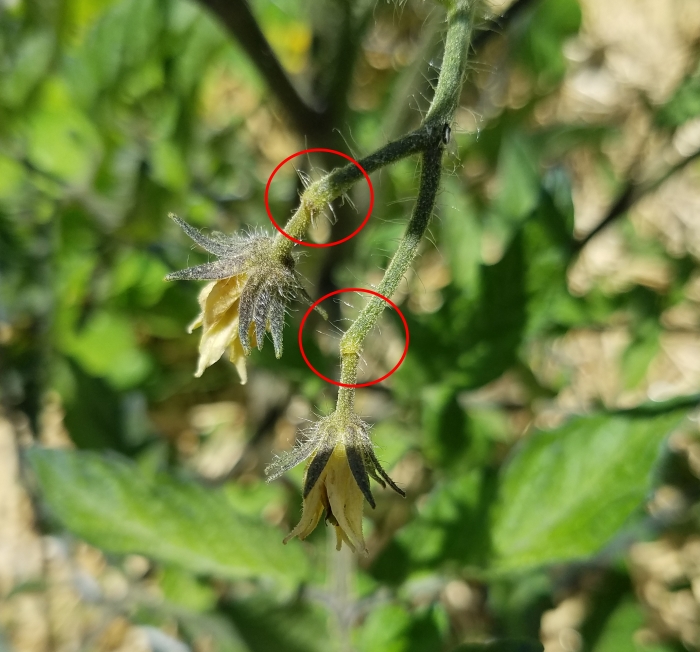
[
  {"x": 336, "y": 481},
  {"x": 248, "y": 295}
]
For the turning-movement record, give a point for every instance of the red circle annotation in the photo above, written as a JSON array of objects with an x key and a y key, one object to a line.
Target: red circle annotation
[
  {"x": 313, "y": 244},
  {"x": 353, "y": 385}
]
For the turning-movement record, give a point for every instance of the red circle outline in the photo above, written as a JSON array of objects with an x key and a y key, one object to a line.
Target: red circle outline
[
  {"x": 335, "y": 382},
  {"x": 312, "y": 244}
]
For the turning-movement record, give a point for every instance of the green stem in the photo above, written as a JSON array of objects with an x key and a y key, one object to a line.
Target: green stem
[
  {"x": 460, "y": 20},
  {"x": 352, "y": 341},
  {"x": 428, "y": 136},
  {"x": 441, "y": 112},
  {"x": 348, "y": 376},
  {"x": 340, "y": 180}
]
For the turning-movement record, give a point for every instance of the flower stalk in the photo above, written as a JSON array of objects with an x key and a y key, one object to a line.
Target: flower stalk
[
  {"x": 352, "y": 341},
  {"x": 441, "y": 113},
  {"x": 428, "y": 136},
  {"x": 320, "y": 193}
]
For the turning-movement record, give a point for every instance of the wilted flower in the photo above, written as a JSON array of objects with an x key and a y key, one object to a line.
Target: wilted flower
[
  {"x": 336, "y": 478},
  {"x": 251, "y": 286}
]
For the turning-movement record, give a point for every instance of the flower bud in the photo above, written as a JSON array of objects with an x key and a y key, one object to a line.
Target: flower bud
[
  {"x": 251, "y": 286},
  {"x": 336, "y": 481}
]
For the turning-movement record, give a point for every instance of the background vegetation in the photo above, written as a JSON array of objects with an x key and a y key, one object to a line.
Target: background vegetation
[{"x": 544, "y": 423}]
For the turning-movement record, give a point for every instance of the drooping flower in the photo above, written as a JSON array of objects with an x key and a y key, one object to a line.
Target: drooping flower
[
  {"x": 342, "y": 460},
  {"x": 251, "y": 285}
]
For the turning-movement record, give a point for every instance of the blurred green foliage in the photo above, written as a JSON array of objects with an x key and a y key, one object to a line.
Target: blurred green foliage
[
  {"x": 196, "y": 529},
  {"x": 113, "y": 114}
]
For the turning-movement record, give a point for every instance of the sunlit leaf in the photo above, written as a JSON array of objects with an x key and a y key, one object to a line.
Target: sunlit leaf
[
  {"x": 565, "y": 493},
  {"x": 106, "y": 347},
  {"x": 75, "y": 141},
  {"x": 108, "y": 502},
  {"x": 553, "y": 21}
]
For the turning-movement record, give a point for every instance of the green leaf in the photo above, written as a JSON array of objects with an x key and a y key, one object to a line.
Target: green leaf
[
  {"x": 471, "y": 340},
  {"x": 452, "y": 525},
  {"x": 518, "y": 602},
  {"x": 30, "y": 64},
  {"x": 94, "y": 410},
  {"x": 453, "y": 522},
  {"x": 76, "y": 145},
  {"x": 447, "y": 435},
  {"x": 640, "y": 352},
  {"x": 517, "y": 178},
  {"x": 195, "y": 50},
  {"x": 107, "y": 347},
  {"x": 122, "y": 37},
  {"x": 552, "y": 22},
  {"x": 142, "y": 29},
  {"x": 548, "y": 236},
  {"x": 141, "y": 275},
  {"x": 209, "y": 626},
  {"x": 618, "y": 635},
  {"x": 11, "y": 181},
  {"x": 685, "y": 103},
  {"x": 168, "y": 166},
  {"x": 110, "y": 503},
  {"x": 488, "y": 310},
  {"x": 519, "y": 645},
  {"x": 393, "y": 628},
  {"x": 454, "y": 437},
  {"x": 566, "y": 492},
  {"x": 181, "y": 588},
  {"x": 266, "y": 625},
  {"x": 460, "y": 235}
]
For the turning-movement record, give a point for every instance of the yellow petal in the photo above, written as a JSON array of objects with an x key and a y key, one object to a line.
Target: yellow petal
[
  {"x": 345, "y": 498},
  {"x": 216, "y": 338},
  {"x": 311, "y": 513},
  {"x": 195, "y": 324},
  {"x": 337, "y": 492},
  {"x": 217, "y": 298},
  {"x": 202, "y": 298},
  {"x": 237, "y": 356},
  {"x": 341, "y": 537},
  {"x": 219, "y": 302}
]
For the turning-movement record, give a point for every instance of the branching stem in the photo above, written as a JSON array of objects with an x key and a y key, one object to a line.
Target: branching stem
[
  {"x": 353, "y": 339},
  {"x": 441, "y": 113},
  {"x": 335, "y": 183},
  {"x": 427, "y": 137}
]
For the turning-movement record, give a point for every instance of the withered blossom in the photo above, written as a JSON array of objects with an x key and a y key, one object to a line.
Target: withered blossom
[
  {"x": 251, "y": 285},
  {"x": 342, "y": 460}
]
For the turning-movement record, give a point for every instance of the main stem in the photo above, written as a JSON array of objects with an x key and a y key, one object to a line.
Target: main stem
[
  {"x": 426, "y": 137},
  {"x": 408, "y": 247},
  {"x": 440, "y": 114}
]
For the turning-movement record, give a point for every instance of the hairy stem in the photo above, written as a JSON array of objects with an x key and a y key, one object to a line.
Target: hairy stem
[
  {"x": 426, "y": 137},
  {"x": 340, "y": 180},
  {"x": 441, "y": 113},
  {"x": 353, "y": 339},
  {"x": 460, "y": 19}
]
